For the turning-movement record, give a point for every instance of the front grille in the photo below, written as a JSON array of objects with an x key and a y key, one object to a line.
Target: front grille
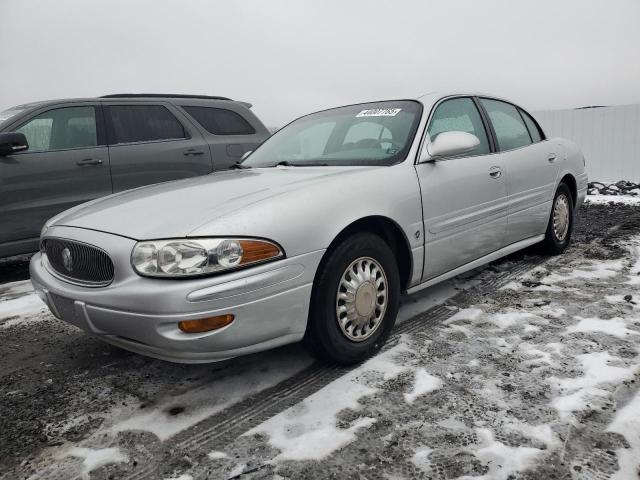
[{"x": 79, "y": 262}]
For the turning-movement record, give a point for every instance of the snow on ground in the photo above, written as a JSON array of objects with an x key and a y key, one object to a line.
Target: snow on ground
[
  {"x": 19, "y": 304},
  {"x": 309, "y": 430},
  {"x": 538, "y": 379},
  {"x": 606, "y": 199},
  {"x": 92, "y": 459}
]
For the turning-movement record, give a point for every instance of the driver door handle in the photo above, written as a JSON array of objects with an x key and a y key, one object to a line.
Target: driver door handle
[
  {"x": 89, "y": 161},
  {"x": 495, "y": 172}
]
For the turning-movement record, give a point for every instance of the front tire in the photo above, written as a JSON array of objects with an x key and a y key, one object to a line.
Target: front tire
[
  {"x": 355, "y": 300},
  {"x": 560, "y": 226}
]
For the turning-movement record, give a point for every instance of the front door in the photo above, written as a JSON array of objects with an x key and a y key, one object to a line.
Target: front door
[
  {"x": 464, "y": 197},
  {"x": 66, "y": 164}
]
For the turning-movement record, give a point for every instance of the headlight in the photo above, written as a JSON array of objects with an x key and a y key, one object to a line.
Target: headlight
[{"x": 200, "y": 256}]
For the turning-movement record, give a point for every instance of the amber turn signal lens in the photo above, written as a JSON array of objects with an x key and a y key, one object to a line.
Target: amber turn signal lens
[
  {"x": 256, "y": 250},
  {"x": 205, "y": 324}
]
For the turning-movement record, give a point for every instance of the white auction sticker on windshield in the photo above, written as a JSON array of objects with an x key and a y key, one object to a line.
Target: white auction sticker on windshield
[{"x": 379, "y": 112}]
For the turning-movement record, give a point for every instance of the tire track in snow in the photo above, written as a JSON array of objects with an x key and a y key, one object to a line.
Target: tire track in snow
[{"x": 221, "y": 429}]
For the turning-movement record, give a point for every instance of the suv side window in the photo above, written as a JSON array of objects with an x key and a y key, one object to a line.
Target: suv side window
[
  {"x": 220, "y": 121},
  {"x": 459, "y": 115},
  {"x": 61, "y": 129},
  {"x": 532, "y": 126},
  {"x": 143, "y": 123},
  {"x": 510, "y": 129}
]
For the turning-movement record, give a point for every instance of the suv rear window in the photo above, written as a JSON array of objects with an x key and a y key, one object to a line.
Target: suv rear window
[
  {"x": 143, "y": 123},
  {"x": 220, "y": 121}
]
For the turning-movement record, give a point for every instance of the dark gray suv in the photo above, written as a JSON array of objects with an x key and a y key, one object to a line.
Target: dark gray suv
[{"x": 56, "y": 154}]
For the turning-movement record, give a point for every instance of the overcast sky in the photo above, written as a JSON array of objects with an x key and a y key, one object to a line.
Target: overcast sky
[{"x": 290, "y": 57}]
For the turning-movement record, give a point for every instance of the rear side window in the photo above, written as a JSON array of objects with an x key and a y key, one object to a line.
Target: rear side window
[
  {"x": 510, "y": 129},
  {"x": 143, "y": 123},
  {"x": 61, "y": 129},
  {"x": 220, "y": 121},
  {"x": 459, "y": 115},
  {"x": 532, "y": 126}
]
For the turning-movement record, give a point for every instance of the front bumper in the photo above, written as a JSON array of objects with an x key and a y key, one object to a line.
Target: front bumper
[{"x": 270, "y": 303}]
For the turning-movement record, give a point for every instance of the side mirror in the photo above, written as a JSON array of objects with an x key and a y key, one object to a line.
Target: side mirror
[
  {"x": 448, "y": 144},
  {"x": 12, "y": 142},
  {"x": 245, "y": 155}
]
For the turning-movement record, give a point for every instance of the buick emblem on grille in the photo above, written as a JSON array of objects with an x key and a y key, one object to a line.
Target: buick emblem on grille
[{"x": 67, "y": 260}]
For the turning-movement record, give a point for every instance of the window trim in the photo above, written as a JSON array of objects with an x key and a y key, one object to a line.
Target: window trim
[
  {"x": 100, "y": 130},
  {"x": 111, "y": 137},
  {"x": 541, "y": 134},
  {"x": 428, "y": 123},
  {"x": 199, "y": 124},
  {"x": 544, "y": 137}
]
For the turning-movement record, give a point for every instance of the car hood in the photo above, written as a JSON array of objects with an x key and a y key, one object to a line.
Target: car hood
[{"x": 174, "y": 209}]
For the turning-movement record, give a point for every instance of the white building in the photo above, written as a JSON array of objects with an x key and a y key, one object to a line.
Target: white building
[{"x": 608, "y": 136}]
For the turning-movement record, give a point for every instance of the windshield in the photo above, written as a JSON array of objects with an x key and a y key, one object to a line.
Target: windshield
[
  {"x": 13, "y": 111},
  {"x": 377, "y": 133}
]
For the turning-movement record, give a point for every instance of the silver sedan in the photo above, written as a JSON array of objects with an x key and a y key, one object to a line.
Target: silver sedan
[{"x": 316, "y": 234}]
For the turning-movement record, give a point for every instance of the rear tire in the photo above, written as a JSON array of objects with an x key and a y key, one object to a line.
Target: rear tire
[
  {"x": 560, "y": 225},
  {"x": 355, "y": 300}
]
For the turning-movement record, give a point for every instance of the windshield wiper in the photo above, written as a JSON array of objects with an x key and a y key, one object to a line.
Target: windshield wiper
[{"x": 287, "y": 163}]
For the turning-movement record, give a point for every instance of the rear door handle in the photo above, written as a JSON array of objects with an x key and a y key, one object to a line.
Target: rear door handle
[
  {"x": 193, "y": 151},
  {"x": 89, "y": 161},
  {"x": 495, "y": 172},
  {"x": 551, "y": 157}
]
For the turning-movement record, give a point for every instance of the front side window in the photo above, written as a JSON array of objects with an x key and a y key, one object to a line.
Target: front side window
[
  {"x": 377, "y": 133},
  {"x": 143, "y": 123},
  {"x": 61, "y": 129},
  {"x": 220, "y": 121},
  {"x": 510, "y": 129},
  {"x": 459, "y": 115}
]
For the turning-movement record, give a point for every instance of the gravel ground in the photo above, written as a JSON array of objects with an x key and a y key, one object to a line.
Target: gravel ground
[{"x": 529, "y": 368}]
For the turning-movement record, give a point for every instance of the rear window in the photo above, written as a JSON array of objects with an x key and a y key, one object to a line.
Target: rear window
[
  {"x": 143, "y": 123},
  {"x": 220, "y": 121}
]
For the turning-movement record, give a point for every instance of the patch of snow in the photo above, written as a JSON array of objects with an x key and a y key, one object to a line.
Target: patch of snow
[
  {"x": 531, "y": 328},
  {"x": 20, "y": 306},
  {"x": 308, "y": 431},
  {"x": 510, "y": 318},
  {"x": 211, "y": 398},
  {"x": 420, "y": 460},
  {"x": 576, "y": 392},
  {"x": 96, "y": 458},
  {"x": 465, "y": 314},
  {"x": 423, "y": 383},
  {"x": 627, "y": 424},
  {"x": 215, "y": 455},
  {"x": 537, "y": 354},
  {"x": 614, "y": 326},
  {"x": 597, "y": 270},
  {"x": 606, "y": 199},
  {"x": 184, "y": 476},
  {"x": 503, "y": 461}
]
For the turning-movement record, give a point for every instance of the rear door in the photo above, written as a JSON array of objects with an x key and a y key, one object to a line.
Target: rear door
[
  {"x": 228, "y": 133},
  {"x": 464, "y": 197},
  {"x": 67, "y": 163},
  {"x": 151, "y": 143},
  {"x": 531, "y": 166}
]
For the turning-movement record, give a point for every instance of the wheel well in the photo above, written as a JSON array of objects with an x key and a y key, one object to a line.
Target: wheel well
[
  {"x": 570, "y": 182},
  {"x": 390, "y": 232}
]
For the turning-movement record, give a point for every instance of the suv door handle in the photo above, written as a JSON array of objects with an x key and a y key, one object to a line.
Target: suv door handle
[
  {"x": 551, "y": 157},
  {"x": 193, "y": 151},
  {"x": 495, "y": 172},
  {"x": 89, "y": 161}
]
